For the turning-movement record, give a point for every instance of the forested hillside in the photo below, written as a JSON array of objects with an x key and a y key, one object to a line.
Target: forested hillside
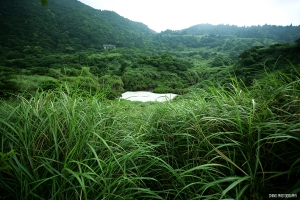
[
  {"x": 278, "y": 57},
  {"x": 63, "y": 26},
  {"x": 279, "y": 33},
  {"x": 232, "y": 39}
]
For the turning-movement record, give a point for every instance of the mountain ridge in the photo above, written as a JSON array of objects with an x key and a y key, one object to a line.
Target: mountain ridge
[
  {"x": 279, "y": 33},
  {"x": 70, "y": 26}
]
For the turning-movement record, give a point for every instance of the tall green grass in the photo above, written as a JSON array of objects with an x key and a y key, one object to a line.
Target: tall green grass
[{"x": 223, "y": 142}]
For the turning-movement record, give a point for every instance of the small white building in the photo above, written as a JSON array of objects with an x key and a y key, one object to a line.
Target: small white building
[{"x": 109, "y": 46}]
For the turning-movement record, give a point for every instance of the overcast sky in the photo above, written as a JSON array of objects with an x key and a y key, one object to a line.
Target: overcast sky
[{"x": 160, "y": 15}]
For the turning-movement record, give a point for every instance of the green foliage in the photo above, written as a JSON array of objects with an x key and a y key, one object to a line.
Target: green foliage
[
  {"x": 163, "y": 89},
  {"x": 4, "y": 159},
  {"x": 39, "y": 40},
  {"x": 220, "y": 142},
  {"x": 65, "y": 136},
  {"x": 49, "y": 85},
  {"x": 255, "y": 60},
  {"x": 44, "y": 2},
  {"x": 65, "y": 26},
  {"x": 221, "y": 61},
  {"x": 8, "y": 87},
  {"x": 165, "y": 62},
  {"x": 112, "y": 86},
  {"x": 279, "y": 33}
]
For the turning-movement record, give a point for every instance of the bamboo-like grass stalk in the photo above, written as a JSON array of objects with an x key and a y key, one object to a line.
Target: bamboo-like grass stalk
[{"x": 223, "y": 142}]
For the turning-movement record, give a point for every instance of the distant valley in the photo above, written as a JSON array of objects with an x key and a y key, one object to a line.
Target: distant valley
[{"x": 44, "y": 46}]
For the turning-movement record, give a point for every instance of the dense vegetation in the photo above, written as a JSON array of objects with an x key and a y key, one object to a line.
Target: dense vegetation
[
  {"x": 277, "y": 57},
  {"x": 63, "y": 26},
  {"x": 278, "y": 33},
  {"x": 220, "y": 142},
  {"x": 43, "y": 47},
  {"x": 233, "y": 133}
]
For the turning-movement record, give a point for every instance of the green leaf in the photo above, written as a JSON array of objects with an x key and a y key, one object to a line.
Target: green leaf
[{"x": 235, "y": 183}]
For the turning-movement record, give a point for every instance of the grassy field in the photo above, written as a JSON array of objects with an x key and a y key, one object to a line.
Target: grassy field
[{"x": 221, "y": 142}]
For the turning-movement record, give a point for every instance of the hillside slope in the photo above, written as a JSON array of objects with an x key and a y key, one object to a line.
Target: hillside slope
[
  {"x": 278, "y": 57},
  {"x": 278, "y": 33},
  {"x": 64, "y": 26}
]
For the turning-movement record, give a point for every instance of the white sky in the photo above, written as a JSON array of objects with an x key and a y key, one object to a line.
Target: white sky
[{"x": 160, "y": 15}]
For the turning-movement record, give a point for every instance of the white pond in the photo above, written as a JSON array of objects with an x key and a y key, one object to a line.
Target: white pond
[{"x": 147, "y": 96}]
